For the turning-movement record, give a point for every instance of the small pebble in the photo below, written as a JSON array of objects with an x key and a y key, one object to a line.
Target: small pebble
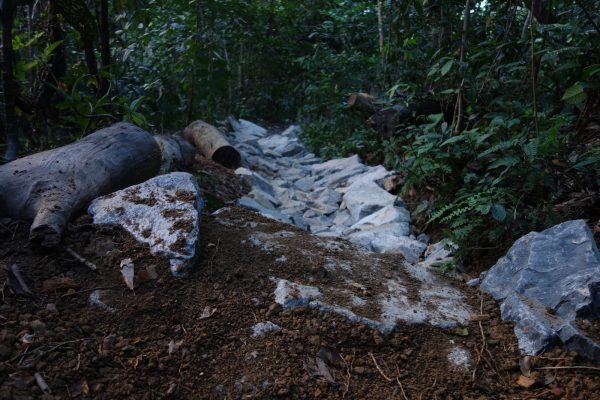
[{"x": 38, "y": 326}]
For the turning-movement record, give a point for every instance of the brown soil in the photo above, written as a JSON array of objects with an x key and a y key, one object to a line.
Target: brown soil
[
  {"x": 219, "y": 184},
  {"x": 191, "y": 338}
]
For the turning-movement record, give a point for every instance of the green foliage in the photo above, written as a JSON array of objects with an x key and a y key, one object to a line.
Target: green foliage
[{"x": 516, "y": 139}]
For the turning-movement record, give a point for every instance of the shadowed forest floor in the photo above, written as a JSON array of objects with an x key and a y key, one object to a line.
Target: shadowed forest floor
[{"x": 192, "y": 338}]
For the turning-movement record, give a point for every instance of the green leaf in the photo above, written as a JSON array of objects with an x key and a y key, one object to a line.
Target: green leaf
[
  {"x": 447, "y": 66},
  {"x": 575, "y": 94},
  {"x": 590, "y": 71},
  {"x": 506, "y": 161},
  {"x": 453, "y": 139},
  {"x": 498, "y": 212}
]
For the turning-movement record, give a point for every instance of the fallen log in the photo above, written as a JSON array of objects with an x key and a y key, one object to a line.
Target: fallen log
[
  {"x": 51, "y": 186},
  {"x": 212, "y": 144},
  {"x": 362, "y": 102}
]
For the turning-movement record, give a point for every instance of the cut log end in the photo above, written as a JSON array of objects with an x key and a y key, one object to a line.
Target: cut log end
[
  {"x": 212, "y": 144},
  {"x": 227, "y": 156}
]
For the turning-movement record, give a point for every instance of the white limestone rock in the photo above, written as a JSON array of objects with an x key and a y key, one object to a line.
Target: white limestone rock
[
  {"x": 263, "y": 198},
  {"x": 262, "y": 328},
  {"x": 387, "y": 215},
  {"x": 373, "y": 174},
  {"x": 336, "y": 165},
  {"x": 365, "y": 199},
  {"x": 163, "y": 212}
]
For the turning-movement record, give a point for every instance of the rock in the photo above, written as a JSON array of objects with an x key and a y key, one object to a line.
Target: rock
[
  {"x": 255, "y": 180},
  {"x": 389, "y": 238},
  {"x": 387, "y": 215},
  {"x": 292, "y": 131},
  {"x": 38, "y": 326},
  {"x": 336, "y": 165},
  {"x": 365, "y": 199},
  {"x": 325, "y": 201},
  {"x": 264, "y": 199},
  {"x": 96, "y": 300},
  {"x": 262, "y": 328},
  {"x": 544, "y": 282},
  {"x": 273, "y": 141},
  {"x": 460, "y": 358},
  {"x": 163, "y": 212},
  {"x": 339, "y": 177},
  {"x": 305, "y": 184},
  {"x": 290, "y": 149},
  {"x": 269, "y": 213},
  {"x": 423, "y": 238},
  {"x": 373, "y": 175},
  {"x": 439, "y": 253},
  {"x": 51, "y": 308},
  {"x": 343, "y": 218},
  {"x": 289, "y": 294},
  {"x": 246, "y": 130}
]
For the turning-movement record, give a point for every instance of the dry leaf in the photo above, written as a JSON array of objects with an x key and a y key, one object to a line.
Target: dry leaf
[{"x": 527, "y": 382}]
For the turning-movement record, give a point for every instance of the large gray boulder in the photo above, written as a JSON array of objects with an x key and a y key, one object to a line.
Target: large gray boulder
[
  {"x": 546, "y": 281},
  {"x": 163, "y": 212}
]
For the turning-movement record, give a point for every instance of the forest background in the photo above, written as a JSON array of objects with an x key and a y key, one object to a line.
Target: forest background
[{"x": 514, "y": 146}]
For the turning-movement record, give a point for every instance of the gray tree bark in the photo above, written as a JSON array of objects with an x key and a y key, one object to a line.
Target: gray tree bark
[{"x": 51, "y": 186}]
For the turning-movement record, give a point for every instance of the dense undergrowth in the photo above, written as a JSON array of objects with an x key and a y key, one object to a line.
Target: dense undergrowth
[{"x": 518, "y": 148}]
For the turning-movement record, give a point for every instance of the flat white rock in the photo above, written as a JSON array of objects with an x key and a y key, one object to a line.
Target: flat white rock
[{"x": 163, "y": 212}]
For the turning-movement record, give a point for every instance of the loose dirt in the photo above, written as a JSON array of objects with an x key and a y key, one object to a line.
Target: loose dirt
[{"x": 192, "y": 338}]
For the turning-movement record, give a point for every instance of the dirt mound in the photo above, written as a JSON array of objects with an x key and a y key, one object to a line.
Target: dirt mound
[{"x": 193, "y": 338}]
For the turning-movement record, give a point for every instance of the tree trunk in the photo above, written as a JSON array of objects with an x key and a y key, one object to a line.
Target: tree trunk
[
  {"x": 58, "y": 61},
  {"x": 212, "y": 144},
  {"x": 104, "y": 30},
  {"x": 541, "y": 11},
  {"x": 51, "y": 186},
  {"x": 11, "y": 128}
]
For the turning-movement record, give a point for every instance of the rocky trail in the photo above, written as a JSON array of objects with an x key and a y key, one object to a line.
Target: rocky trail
[{"x": 313, "y": 284}]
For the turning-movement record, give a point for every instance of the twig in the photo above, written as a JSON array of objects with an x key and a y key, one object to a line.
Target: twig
[
  {"x": 387, "y": 378},
  {"x": 348, "y": 375},
  {"x": 572, "y": 367},
  {"x": 483, "y": 343},
  {"x": 81, "y": 259},
  {"x": 400, "y": 383}
]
